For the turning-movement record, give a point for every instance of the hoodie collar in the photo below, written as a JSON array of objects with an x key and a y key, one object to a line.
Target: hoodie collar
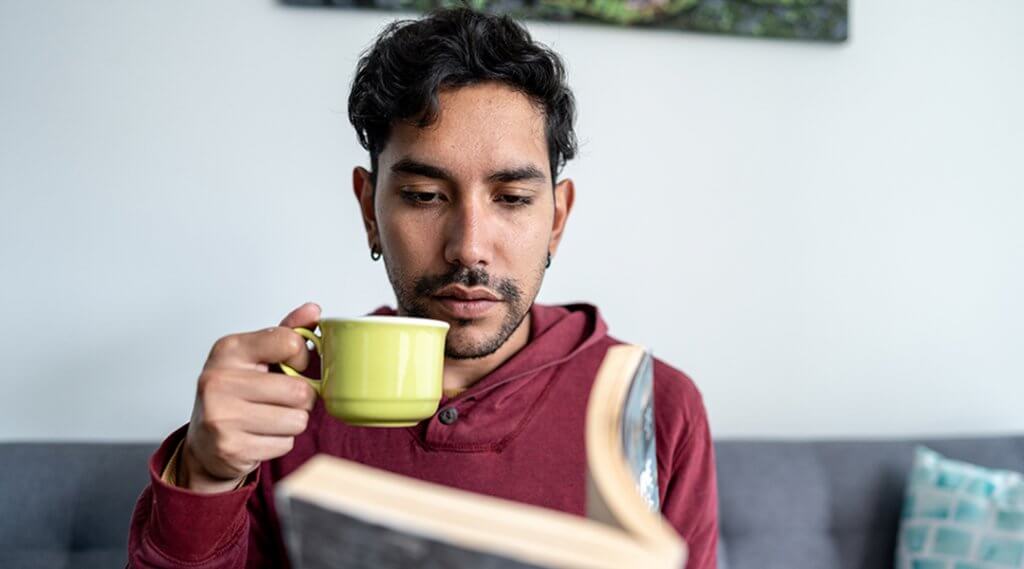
[{"x": 496, "y": 405}]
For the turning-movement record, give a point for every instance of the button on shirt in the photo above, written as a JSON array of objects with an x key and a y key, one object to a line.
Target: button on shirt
[{"x": 448, "y": 415}]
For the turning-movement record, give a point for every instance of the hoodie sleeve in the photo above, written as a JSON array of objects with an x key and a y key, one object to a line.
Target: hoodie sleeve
[
  {"x": 173, "y": 527},
  {"x": 689, "y": 499}
]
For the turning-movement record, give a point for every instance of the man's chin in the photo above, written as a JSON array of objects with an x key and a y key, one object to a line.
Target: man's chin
[
  {"x": 470, "y": 342},
  {"x": 470, "y": 338}
]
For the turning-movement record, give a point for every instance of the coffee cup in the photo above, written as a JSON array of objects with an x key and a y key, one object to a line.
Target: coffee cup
[{"x": 378, "y": 371}]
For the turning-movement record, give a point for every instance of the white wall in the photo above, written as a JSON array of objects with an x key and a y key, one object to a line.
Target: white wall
[{"x": 827, "y": 238}]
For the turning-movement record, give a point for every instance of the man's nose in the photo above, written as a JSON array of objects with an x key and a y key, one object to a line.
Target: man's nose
[{"x": 467, "y": 234}]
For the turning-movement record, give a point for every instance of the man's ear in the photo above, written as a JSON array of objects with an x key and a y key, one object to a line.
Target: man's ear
[
  {"x": 362, "y": 185},
  {"x": 565, "y": 195}
]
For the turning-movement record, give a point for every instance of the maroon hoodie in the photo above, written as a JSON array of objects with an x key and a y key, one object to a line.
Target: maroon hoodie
[{"x": 518, "y": 435}]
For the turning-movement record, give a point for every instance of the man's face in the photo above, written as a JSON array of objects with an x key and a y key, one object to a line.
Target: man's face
[{"x": 465, "y": 215}]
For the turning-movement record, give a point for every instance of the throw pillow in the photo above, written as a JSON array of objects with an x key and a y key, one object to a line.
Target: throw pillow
[{"x": 958, "y": 515}]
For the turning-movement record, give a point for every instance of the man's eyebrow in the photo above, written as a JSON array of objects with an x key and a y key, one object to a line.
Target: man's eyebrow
[
  {"x": 519, "y": 174},
  {"x": 417, "y": 168},
  {"x": 528, "y": 172}
]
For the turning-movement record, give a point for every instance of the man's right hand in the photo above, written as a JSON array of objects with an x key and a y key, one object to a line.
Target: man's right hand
[{"x": 243, "y": 413}]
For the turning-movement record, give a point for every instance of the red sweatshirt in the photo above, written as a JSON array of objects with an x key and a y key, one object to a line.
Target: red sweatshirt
[{"x": 518, "y": 435}]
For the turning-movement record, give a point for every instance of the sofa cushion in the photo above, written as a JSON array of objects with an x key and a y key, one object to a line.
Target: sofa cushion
[
  {"x": 93, "y": 558},
  {"x": 961, "y": 512},
  {"x": 68, "y": 504},
  {"x": 826, "y": 504}
]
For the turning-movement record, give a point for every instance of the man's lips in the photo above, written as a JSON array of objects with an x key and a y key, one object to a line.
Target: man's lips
[
  {"x": 462, "y": 293},
  {"x": 464, "y": 309},
  {"x": 461, "y": 302}
]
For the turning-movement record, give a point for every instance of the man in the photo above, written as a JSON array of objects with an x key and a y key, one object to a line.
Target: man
[{"x": 468, "y": 123}]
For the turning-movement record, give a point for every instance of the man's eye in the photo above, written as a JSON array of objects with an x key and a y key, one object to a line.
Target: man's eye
[
  {"x": 514, "y": 200},
  {"x": 420, "y": 197}
]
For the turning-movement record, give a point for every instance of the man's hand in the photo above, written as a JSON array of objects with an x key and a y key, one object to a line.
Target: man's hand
[{"x": 243, "y": 413}]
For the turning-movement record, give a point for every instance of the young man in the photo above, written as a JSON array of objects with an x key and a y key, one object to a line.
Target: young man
[{"x": 468, "y": 123}]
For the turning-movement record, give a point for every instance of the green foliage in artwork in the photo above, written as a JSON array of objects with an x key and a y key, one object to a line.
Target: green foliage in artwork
[
  {"x": 824, "y": 20},
  {"x": 624, "y": 12}
]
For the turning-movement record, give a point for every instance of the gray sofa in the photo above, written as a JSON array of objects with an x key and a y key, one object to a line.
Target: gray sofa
[{"x": 784, "y": 505}]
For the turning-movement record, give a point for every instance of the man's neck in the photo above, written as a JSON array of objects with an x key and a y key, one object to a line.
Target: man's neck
[{"x": 460, "y": 374}]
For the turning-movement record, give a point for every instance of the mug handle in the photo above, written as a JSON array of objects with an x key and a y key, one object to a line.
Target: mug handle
[{"x": 288, "y": 370}]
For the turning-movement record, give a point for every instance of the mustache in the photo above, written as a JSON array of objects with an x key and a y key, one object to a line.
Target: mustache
[{"x": 508, "y": 289}]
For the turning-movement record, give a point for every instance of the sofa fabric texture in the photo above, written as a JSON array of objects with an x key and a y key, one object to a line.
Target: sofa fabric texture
[
  {"x": 67, "y": 505},
  {"x": 783, "y": 504},
  {"x": 827, "y": 505}
]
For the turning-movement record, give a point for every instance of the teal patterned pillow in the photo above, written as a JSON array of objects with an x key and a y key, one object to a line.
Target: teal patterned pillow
[{"x": 961, "y": 516}]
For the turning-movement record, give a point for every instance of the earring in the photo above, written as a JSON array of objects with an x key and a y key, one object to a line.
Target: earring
[
  {"x": 374, "y": 254},
  {"x": 548, "y": 265}
]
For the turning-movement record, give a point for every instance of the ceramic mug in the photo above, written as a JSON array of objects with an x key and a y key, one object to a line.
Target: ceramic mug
[{"x": 378, "y": 371}]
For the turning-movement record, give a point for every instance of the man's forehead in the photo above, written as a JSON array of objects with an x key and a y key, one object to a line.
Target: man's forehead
[
  {"x": 488, "y": 101},
  {"x": 480, "y": 127}
]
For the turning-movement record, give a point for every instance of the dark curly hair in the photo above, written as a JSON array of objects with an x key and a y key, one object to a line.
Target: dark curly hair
[{"x": 400, "y": 75}]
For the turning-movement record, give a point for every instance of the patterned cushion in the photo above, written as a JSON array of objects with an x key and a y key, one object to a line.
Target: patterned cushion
[{"x": 961, "y": 516}]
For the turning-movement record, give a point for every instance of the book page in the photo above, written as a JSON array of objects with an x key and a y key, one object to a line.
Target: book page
[{"x": 638, "y": 435}]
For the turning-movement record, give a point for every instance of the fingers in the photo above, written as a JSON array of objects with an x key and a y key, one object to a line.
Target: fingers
[
  {"x": 255, "y": 387},
  {"x": 301, "y": 359},
  {"x": 228, "y": 421},
  {"x": 273, "y": 420},
  {"x": 240, "y": 453},
  {"x": 278, "y": 344},
  {"x": 269, "y": 448},
  {"x": 252, "y": 350},
  {"x": 306, "y": 316},
  {"x": 244, "y": 415},
  {"x": 264, "y": 447}
]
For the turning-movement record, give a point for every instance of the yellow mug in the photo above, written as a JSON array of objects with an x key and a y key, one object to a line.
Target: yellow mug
[{"x": 378, "y": 371}]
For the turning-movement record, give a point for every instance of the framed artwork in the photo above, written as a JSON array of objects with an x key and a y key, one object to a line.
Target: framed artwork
[{"x": 815, "y": 20}]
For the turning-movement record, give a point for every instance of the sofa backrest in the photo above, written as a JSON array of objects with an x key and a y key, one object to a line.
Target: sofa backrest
[
  {"x": 783, "y": 505},
  {"x": 835, "y": 505},
  {"x": 68, "y": 504}
]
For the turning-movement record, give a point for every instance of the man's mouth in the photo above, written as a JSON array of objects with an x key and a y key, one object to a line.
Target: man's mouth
[{"x": 465, "y": 303}]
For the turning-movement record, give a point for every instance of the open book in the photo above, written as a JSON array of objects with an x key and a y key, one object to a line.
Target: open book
[{"x": 341, "y": 514}]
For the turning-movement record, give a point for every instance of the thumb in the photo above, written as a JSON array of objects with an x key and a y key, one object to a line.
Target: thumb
[{"x": 306, "y": 316}]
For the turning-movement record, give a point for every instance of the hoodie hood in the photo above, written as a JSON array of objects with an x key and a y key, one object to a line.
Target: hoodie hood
[{"x": 495, "y": 407}]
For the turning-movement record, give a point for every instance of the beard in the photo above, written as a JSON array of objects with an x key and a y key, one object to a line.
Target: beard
[{"x": 414, "y": 295}]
